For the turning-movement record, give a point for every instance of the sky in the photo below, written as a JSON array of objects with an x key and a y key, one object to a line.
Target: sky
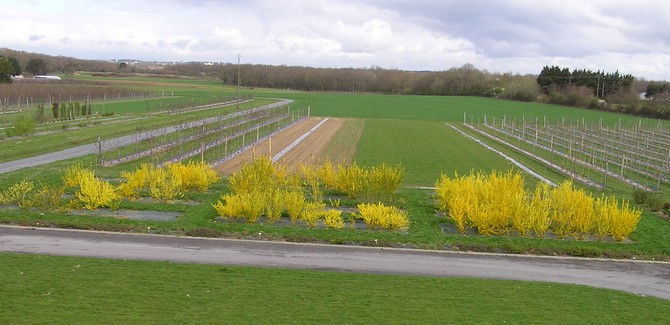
[{"x": 506, "y": 36}]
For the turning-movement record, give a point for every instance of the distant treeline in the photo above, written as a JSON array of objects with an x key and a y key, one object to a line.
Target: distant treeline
[
  {"x": 462, "y": 81},
  {"x": 601, "y": 84},
  {"x": 56, "y": 64},
  {"x": 609, "y": 91}
]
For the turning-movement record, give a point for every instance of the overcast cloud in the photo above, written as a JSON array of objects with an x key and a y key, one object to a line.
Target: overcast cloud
[{"x": 518, "y": 36}]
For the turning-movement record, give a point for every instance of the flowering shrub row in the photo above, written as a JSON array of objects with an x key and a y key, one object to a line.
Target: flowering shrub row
[
  {"x": 498, "y": 203},
  {"x": 262, "y": 188}
]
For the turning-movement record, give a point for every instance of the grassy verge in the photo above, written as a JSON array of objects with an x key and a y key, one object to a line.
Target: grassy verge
[{"x": 63, "y": 290}]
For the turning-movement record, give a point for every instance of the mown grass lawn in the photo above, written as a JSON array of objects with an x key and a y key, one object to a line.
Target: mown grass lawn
[{"x": 65, "y": 290}]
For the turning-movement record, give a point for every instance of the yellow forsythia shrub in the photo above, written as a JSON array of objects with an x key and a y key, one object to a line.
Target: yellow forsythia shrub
[
  {"x": 17, "y": 194},
  {"x": 311, "y": 176},
  {"x": 312, "y": 212},
  {"x": 232, "y": 208},
  {"x": 373, "y": 183},
  {"x": 254, "y": 176},
  {"x": 489, "y": 203},
  {"x": 194, "y": 176},
  {"x": 295, "y": 203},
  {"x": 458, "y": 211},
  {"x": 263, "y": 188},
  {"x": 605, "y": 210},
  {"x": 164, "y": 185},
  {"x": 247, "y": 206},
  {"x": 332, "y": 218},
  {"x": 274, "y": 204},
  {"x": 350, "y": 180},
  {"x": 383, "y": 180},
  {"x": 94, "y": 193},
  {"x": 624, "y": 221},
  {"x": 49, "y": 197},
  {"x": 538, "y": 209},
  {"x": 496, "y": 203},
  {"x": 74, "y": 175},
  {"x": 571, "y": 210},
  {"x": 253, "y": 203},
  {"x": 133, "y": 182},
  {"x": 328, "y": 175},
  {"x": 381, "y": 216}
]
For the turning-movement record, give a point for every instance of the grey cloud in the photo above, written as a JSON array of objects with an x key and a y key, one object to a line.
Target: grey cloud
[
  {"x": 536, "y": 28},
  {"x": 35, "y": 38},
  {"x": 182, "y": 43}
]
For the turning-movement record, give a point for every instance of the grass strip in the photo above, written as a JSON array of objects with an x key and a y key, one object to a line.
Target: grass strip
[{"x": 64, "y": 290}]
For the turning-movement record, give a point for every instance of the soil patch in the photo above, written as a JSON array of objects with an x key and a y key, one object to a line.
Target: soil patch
[
  {"x": 153, "y": 200},
  {"x": 151, "y": 215},
  {"x": 309, "y": 150},
  {"x": 286, "y": 222},
  {"x": 451, "y": 229}
]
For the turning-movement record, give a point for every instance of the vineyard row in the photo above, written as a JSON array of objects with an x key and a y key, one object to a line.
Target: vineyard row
[
  {"x": 640, "y": 155},
  {"x": 219, "y": 137}
]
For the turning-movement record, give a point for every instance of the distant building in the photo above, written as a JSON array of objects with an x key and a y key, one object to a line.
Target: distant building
[{"x": 47, "y": 77}]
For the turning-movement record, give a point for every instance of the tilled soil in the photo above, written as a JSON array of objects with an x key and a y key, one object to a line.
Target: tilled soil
[{"x": 309, "y": 150}]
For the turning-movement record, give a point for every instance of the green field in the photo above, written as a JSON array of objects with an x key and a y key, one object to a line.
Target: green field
[
  {"x": 66, "y": 290},
  {"x": 449, "y": 108},
  {"x": 425, "y": 148},
  {"x": 406, "y": 130}
]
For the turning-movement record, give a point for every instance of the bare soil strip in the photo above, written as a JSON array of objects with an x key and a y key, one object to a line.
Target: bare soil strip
[
  {"x": 311, "y": 149},
  {"x": 312, "y": 146},
  {"x": 297, "y": 141}
]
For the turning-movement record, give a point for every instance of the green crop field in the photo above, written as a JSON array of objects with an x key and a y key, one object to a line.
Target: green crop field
[
  {"x": 406, "y": 130},
  {"x": 425, "y": 149},
  {"x": 66, "y": 290},
  {"x": 447, "y": 108}
]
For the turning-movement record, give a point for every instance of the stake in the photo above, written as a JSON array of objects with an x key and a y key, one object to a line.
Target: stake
[{"x": 99, "y": 151}]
